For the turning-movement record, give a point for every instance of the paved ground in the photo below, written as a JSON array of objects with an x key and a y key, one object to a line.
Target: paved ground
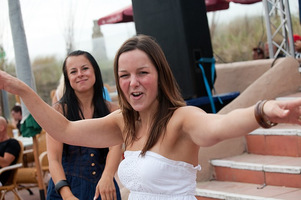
[
  {"x": 36, "y": 193},
  {"x": 25, "y": 194}
]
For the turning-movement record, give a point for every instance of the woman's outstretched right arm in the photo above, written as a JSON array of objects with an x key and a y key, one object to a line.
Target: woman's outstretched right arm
[{"x": 101, "y": 132}]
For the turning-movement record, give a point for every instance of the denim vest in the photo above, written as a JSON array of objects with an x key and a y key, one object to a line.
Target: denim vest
[{"x": 84, "y": 162}]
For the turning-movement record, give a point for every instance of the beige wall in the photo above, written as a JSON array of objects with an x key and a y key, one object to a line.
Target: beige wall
[
  {"x": 238, "y": 76},
  {"x": 254, "y": 80}
]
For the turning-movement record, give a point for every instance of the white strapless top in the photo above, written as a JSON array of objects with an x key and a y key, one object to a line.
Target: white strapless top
[{"x": 154, "y": 177}]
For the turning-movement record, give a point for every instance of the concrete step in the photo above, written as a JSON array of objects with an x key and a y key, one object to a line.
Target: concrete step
[
  {"x": 282, "y": 140},
  {"x": 234, "y": 191},
  {"x": 270, "y": 171},
  {"x": 259, "y": 169}
]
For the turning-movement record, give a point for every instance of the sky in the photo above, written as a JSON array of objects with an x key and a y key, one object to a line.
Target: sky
[{"x": 45, "y": 21}]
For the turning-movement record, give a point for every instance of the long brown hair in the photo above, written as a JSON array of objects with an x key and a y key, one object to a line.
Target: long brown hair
[{"x": 169, "y": 96}]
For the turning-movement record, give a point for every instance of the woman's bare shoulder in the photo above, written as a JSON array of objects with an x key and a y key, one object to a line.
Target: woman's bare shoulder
[
  {"x": 116, "y": 117},
  {"x": 188, "y": 115},
  {"x": 116, "y": 114},
  {"x": 187, "y": 110}
]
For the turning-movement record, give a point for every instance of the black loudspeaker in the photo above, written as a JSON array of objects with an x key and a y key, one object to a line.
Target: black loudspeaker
[{"x": 181, "y": 29}]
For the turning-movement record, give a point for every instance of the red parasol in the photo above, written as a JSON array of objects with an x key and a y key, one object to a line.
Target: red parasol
[
  {"x": 126, "y": 14},
  {"x": 123, "y": 15}
]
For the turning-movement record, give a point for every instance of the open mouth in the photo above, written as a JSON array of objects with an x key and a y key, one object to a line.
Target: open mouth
[{"x": 136, "y": 94}]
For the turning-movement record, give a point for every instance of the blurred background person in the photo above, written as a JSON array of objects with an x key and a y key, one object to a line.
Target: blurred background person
[
  {"x": 16, "y": 113},
  {"x": 9, "y": 150},
  {"x": 275, "y": 49},
  {"x": 297, "y": 45},
  {"x": 258, "y": 53}
]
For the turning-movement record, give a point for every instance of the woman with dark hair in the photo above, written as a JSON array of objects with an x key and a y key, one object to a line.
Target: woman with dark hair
[
  {"x": 81, "y": 168},
  {"x": 162, "y": 135}
]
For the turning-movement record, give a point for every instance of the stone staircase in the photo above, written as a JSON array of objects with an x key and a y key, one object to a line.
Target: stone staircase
[{"x": 270, "y": 169}]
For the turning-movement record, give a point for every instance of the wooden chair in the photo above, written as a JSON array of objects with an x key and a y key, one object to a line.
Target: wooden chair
[
  {"x": 11, "y": 184},
  {"x": 10, "y": 128},
  {"x": 28, "y": 176}
]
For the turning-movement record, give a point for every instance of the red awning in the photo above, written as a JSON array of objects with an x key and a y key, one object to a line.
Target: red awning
[
  {"x": 213, "y": 5},
  {"x": 123, "y": 15},
  {"x": 245, "y": 1},
  {"x": 126, "y": 14}
]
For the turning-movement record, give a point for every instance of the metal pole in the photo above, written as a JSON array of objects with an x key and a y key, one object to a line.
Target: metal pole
[
  {"x": 268, "y": 28},
  {"x": 289, "y": 32},
  {"x": 284, "y": 30},
  {"x": 23, "y": 68}
]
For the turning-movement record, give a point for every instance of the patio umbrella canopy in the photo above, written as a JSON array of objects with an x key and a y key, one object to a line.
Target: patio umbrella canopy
[
  {"x": 123, "y": 15},
  {"x": 30, "y": 127},
  {"x": 126, "y": 14},
  {"x": 215, "y": 5}
]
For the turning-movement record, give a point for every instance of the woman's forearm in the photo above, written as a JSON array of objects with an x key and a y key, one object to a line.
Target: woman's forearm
[
  {"x": 113, "y": 159},
  {"x": 54, "y": 123},
  {"x": 58, "y": 174}
]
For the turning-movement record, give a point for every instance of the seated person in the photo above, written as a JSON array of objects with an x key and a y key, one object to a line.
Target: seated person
[
  {"x": 258, "y": 53},
  {"x": 9, "y": 150},
  {"x": 297, "y": 45},
  {"x": 16, "y": 113},
  {"x": 275, "y": 49}
]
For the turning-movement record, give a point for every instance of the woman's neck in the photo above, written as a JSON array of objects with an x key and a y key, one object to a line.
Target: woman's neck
[
  {"x": 146, "y": 118},
  {"x": 85, "y": 101}
]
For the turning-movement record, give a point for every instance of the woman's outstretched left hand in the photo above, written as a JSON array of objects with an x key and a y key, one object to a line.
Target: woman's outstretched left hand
[
  {"x": 285, "y": 111},
  {"x": 106, "y": 189}
]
